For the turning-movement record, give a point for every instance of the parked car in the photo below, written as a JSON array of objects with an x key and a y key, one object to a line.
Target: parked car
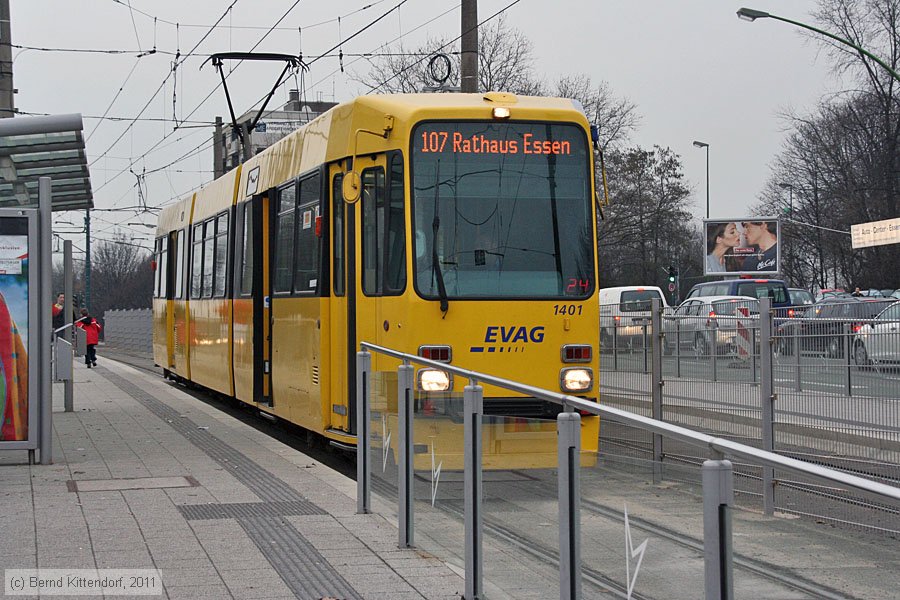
[
  {"x": 801, "y": 300},
  {"x": 774, "y": 289},
  {"x": 827, "y": 292},
  {"x": 878, "y": 341},
  {"x": 625, "y": 313},
  {"x": 709, "y": 324},
  {"x": 824, "y": 327},
  {"x": 872, "y": 293}
]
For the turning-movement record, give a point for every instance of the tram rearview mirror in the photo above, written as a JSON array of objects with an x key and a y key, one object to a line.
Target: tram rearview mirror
[{"x": 351, "y": 187}]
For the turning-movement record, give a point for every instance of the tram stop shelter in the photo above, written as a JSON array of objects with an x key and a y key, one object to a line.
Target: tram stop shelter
[{"x": 43, "y": 168}]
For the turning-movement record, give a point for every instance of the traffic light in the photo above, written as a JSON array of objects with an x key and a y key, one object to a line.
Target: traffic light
[{"x": 673, "y": 274}]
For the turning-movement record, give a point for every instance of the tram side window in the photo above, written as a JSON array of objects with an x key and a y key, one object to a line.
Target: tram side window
[
  {"x": 197, "y": 261},
  {"x": 284, "y": 241},
  {"x": 373, "y": 211},
  {"x": 179, "y": 263},
  {"x": 156, "y": 271},
  {"x": 395, "y": 261},
  {"x": 162, "y": 266},
  {"x": 306, "y": 261},
  {"x": 247, "y": 265},
  {"x": 209, "y": 235},
  {"x": 221, "y": 261},
  {"x": 338, "y": 237}
]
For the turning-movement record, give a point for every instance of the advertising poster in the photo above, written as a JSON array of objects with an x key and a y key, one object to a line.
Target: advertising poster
[
  {"x": 14, "y": 328},
  {"x": 748, "y": 246}
]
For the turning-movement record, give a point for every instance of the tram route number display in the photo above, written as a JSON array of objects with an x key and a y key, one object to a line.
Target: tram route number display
[{"x": 457, "y": 143}]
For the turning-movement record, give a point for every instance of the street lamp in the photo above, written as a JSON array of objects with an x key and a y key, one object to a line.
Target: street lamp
[
  {"x": 790, "y": 188},
  {"x": 147, "y": 225},
  {"x": 749, "y": 14},
  {"x": 705, "y": 145}
]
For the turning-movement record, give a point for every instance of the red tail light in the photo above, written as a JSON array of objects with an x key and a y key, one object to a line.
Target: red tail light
[
  {"x": 856, "y": 327},
  {"x": 436, "y": 353},
  {"x": 790, "y": 312},
  {"x": 577, "y": 353}
]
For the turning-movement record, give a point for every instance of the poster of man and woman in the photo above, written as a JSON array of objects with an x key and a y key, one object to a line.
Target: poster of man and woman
[{"x": 742, "y": 246}]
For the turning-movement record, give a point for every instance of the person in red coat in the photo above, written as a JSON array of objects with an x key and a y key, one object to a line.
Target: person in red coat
[{"x": 92, "y": 329}]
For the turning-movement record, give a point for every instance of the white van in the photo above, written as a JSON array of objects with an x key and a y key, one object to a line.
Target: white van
[{"x": 624, "y": 312}]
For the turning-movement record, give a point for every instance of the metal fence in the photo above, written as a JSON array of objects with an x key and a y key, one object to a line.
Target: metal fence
[
  {"x": 824, "y": 390},
  {"x": 129, "y": 329},
  {"x": 461, "y": 504}
]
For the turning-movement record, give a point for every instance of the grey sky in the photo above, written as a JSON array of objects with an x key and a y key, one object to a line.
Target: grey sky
[{"x": 692, "y": 68}]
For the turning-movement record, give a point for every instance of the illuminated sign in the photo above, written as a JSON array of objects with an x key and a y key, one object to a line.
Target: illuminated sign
[{"x": 479, "y": 143}]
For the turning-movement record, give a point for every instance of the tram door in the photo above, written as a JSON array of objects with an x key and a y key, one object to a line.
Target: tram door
[
  {"x": 341, "y": 330},
  {"x": 250, "y": 314}
]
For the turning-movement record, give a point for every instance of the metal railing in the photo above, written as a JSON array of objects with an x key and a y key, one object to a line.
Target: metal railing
[
  {"x": 804, "y": 386},
  {"x": 717, "y": 473}
]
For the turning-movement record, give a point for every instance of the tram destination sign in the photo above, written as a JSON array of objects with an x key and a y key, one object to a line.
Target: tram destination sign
[
  {"x": 875, "y": 233},
  {"x": 436, "y": 140}
]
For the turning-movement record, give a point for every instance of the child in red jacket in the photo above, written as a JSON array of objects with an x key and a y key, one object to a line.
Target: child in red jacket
[{"x": 92, "y": 329}]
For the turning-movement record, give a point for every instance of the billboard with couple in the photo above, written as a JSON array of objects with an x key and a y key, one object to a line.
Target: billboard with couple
[{"x": 748, "y": 246}]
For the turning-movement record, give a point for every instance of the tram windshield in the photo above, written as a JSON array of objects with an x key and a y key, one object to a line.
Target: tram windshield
[{"x": 502, "y": 209}]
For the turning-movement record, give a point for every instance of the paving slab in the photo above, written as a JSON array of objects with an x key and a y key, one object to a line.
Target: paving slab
[{"x": 147, "y": 476}]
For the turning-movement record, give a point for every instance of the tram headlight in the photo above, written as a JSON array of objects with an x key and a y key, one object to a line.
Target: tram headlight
[
  {"x": 576, "y": 379},
  {"x": 434, "y": 380}
]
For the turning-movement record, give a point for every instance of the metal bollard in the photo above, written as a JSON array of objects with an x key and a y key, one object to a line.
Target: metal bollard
[
  {"x": 753, "y": 353},
  {"x": 405, "y": 475},
  {"x": 847, "y": 348},
  {"x": 615, "y": 347},
  {"x": 796, "y": 340},
  {"x": 767, "y": 400},
  {"x": 473, "y": 403},
  {"x": 568, "y": 427},
  {"x": 645, "y": 342},
  {"x": 678, "y": 348},
  {"x": 363, "y": 433},
  {"x": 718, "y": 498},
  {"x": 656, "y": 379}
]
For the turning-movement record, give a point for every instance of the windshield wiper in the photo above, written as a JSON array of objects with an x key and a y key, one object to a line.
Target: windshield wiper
[{"x": 436, "y": 271}]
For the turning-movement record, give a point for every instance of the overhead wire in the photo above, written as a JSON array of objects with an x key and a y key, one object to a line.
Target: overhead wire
[
  {"x": 208, "y": 96},
  {"x": 326, "y": 54},
  {"x": 162, "y": 85}
]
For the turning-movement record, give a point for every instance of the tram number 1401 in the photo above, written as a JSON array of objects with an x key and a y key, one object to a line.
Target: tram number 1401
[{"x": 567, "y": 309}]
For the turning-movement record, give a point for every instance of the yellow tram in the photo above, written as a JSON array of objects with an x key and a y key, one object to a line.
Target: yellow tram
[{"x": 460, "y": 227}]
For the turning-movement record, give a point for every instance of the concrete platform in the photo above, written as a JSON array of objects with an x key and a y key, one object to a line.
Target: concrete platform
[{"x": 146, "y": 476}]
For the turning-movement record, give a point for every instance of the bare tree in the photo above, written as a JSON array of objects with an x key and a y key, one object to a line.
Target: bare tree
[
  {"x": 843, "y": 160},
  {"x": 505, "y": 63},
  {"x": 616, "y": 117},
  {"x": 648, "y": 224},
  {"x": 121, "y": 275}
]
